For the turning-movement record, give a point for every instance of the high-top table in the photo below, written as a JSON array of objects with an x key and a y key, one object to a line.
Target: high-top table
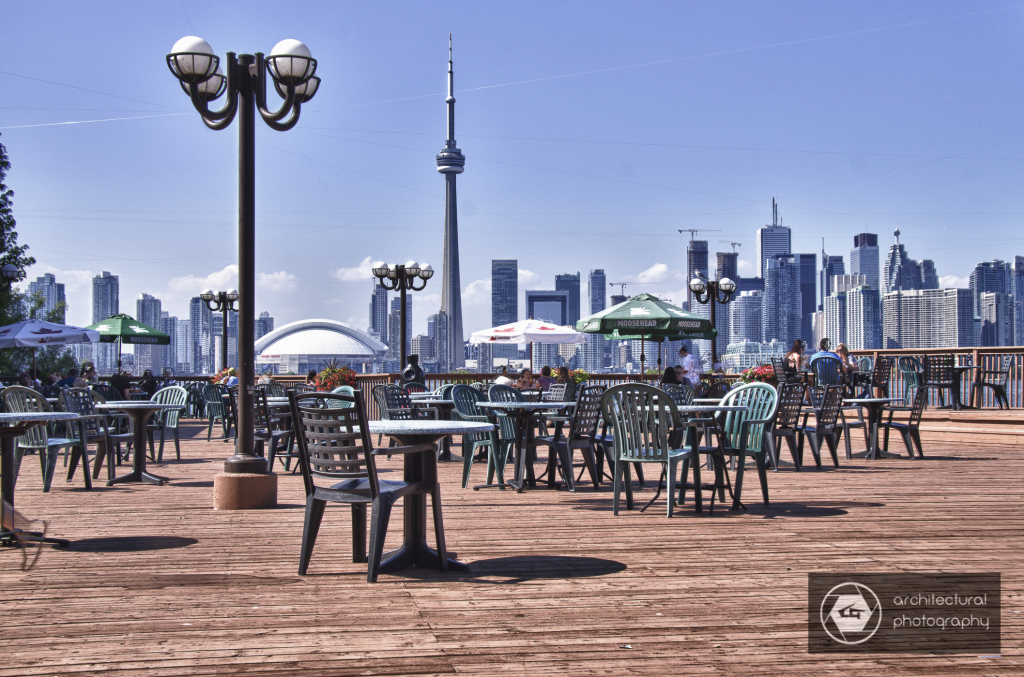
[
  {"x": 444, "y": 412},
  {"x": 140, "y": 411},
  {"x": 420, "y": 467},
  {"x": 874, "y": 405},
  {"x": 16, "y": 425},
  {"x": 523, "y": 412}
]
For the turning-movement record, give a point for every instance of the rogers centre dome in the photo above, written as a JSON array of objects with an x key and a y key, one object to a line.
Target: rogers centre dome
[{"x": 310, "y": 344}]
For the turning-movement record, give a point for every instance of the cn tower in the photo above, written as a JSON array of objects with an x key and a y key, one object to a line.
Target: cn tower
[{"x": 451, "y": 161}]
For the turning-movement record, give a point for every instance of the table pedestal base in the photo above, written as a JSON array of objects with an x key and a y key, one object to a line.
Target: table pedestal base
[
  {"x": 418, "y": 555},
  {"x": 10, "y": 538},
  {"x": 142, "y": 476}
]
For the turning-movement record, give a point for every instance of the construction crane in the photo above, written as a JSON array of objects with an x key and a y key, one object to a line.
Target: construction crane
[
  {"x": 622, "y": 285},
  {"x": 693, "y": 231},
  {"x": 734, "y": 244}
]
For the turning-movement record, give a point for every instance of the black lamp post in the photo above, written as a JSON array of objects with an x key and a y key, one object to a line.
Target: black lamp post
[
  {"x": 244, "y": 80},
  {"x": 11, "y": 273},
  {"x": 221, "y": 302},
  {"x": 707, "y": 291},
  {"x": 402, "y": 278}
]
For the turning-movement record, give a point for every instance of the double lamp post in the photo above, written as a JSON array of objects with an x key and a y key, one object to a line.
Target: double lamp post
[
  {"x": 222, "y": 302},
  {"x": 401, "y": 279},
  {"x": 244, "y": 82},
  {"x": 707, "y": 292}
]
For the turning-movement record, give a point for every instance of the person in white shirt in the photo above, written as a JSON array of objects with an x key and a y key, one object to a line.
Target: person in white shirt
[{"x": 689, "y": 365}]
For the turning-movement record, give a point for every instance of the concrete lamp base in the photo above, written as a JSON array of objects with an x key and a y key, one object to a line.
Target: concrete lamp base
[{"x": 244, "y": 491}]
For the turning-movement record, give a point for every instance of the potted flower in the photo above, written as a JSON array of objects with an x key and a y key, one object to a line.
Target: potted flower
[
  {"x": 764, "y": 373},
  {"x": 223, "y": 375},
  {"x": 334, "y": 376},
  {"x": 578, "y": 376}
]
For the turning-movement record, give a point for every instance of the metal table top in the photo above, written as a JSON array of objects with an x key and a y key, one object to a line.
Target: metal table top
[{"x": 16, "y": 417}]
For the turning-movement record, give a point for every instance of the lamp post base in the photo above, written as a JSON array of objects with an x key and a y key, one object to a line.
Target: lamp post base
[
  {"x": 238, "y": 491},
  {"x": 241, "y": 464}
]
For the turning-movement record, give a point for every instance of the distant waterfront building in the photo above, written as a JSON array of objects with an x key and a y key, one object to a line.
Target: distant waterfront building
[
  {"x": 727, "y": 265},
  {"x": 749, "y": 284},
  {"x": 830, "y": 267},
  {"x": 378, "y": 327},
  {"x": 835, "y": 318},
  {"x": 996, "y": 319},
  {"x": 550, "y": 306},
  {"x": 743, "y": 355},
  {"x": 697, "y": 267},
  {"x": 782, "y": 301},
  {"x": 105, "y": 302},
  {"x": 442, "y": 336},
  {"x": 200, "y": 322},
  {"x": 616, "y": 299},
  {"x": 745, "y": 317},
  {"x": 902, "y": 273},
  {"x": 424, "y": 347},
  {"x": 863, "y": 318},
  {"x": 394, "y": 327},
  {"x": 597, "y": 290},
  {"x": 570, "y": 284},
  {"x": 864, "y": 257},
  {"x": 52, "y": 293},
  {"x": 596, "y": 352},
  {"x": 990, "y": 276},
  {"x": 928, "y": 318},
  {"x": 148, "y": 311},
  {"x": 183, "y": 348},
  {"x": 169, "y": 326},
  {"x": 264, "y": 324},
  {"x": 929, "y": 276},
  {"x": 1017, "y": 289},
  {"x": 808, "y": 273},
  {"x": 772, "y": 241},
  {"x": 844, "y": 283},
  {"x": 504, "y": 291}
]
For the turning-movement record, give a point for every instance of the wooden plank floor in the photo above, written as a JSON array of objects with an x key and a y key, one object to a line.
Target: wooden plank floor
[{"x": 158, "y": 583}]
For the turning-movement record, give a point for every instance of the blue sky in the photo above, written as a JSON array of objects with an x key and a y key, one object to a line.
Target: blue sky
[{"x": 593, "y": 132}]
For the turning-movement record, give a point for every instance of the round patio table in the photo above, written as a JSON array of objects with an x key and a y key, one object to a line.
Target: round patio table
[
  {"x": 718, "y": 460},
  {"x": 16, "y": 425},
  {"x": 444, "y": 412},
  {"x": 139, "y": 410},
  {"x": 421, "y": 467},
  {"x": 958, "y": 373},
  {"x": 523, "y": 412},
  {"x": 874, "y": 405}
]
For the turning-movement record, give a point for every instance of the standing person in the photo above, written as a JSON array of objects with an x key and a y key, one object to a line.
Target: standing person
[{"x": 691, "y": 372}]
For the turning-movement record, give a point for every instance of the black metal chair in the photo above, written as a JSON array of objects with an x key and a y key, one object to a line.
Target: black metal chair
[
  {"x": 787, "y": 423},
  {"x": 582, "y": 427},
  {"x": 334, "y": 445},
  {"x": 826, "y": 419},
  {"x": 783, "y": 372},
  {"x": 108, "y": 392},
  {"x": 881, "y": 375},
  {"x": 95, "y": 428},
  {"x": 996, "y": 380},
  {"x": 911, "y": 430},
  {"x": 940, "y": 375}
]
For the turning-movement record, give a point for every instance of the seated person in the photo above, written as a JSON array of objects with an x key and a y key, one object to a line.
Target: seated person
[
  {"x": 149, "y": 383},
  {"x": 69, "y": 381},
  {"x": 546, "y": 379},
  {"x": 823, "y": 351},
  {"x": 670, "y": 376},
  {"x": 121, "y": 382},
  {"x": 563, "y": 375},
  {"x": 525, "y": 381},
  {"x": 25, "y": 380}
]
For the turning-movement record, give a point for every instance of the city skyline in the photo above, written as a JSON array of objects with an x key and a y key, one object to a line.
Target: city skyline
[{"x": 682, "y": 147}]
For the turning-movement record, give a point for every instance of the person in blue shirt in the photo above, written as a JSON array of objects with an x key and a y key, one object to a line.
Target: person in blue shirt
[
  {"x": 823, "y": 351},
  {"x": 69, "y": 381}
]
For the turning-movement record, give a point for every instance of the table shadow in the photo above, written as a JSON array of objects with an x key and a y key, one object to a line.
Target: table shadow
[
  {"x": 129, "y": 543},
  {"x": 524, "y": 568}
]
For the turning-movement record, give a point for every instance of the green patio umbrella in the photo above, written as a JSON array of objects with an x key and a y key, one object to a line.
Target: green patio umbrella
[
  {"x": 123, "y": 329},
  {"x": 645, "y": 317}
]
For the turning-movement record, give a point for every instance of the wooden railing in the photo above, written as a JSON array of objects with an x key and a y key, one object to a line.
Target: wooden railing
[{"x": 990, "y": 359}]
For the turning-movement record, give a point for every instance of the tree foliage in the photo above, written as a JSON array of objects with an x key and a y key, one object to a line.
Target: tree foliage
[{"x": 15, "y": 306}]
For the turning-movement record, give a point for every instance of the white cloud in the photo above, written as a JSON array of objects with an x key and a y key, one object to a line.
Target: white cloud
[
  {"x": 280, "y": 281},
  {"x": 220, "y": 280},
  {"x": 527, "y": 278},
  {"x": 77, "y": 290},
  {"x": 954, "y": 282},
  {"x": 745, "y": 268},
  {"x": 477, "y": 292},
  {"x": 364, "y": 271},
  {"x": 656, "y": 274}
]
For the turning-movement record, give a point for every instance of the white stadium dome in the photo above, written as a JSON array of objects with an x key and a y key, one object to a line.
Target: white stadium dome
[{"x": 310, "y": 344}]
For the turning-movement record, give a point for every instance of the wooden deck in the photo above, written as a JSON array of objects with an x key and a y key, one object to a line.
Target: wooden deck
[{"x": 156, "y": 582}]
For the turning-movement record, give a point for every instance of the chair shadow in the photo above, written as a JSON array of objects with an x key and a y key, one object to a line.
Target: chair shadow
[
  {"x": 130, "y": 543},
  {"x": 524, "y": 568},
  {"x": 205, "y": 483},
  {"x": 807, "y": 508}
]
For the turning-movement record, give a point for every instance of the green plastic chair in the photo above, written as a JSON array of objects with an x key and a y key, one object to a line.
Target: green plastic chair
[
  {"x": 743, "y": 434},
  {"x": 347, "y": 391},
  {"x": 643, "y": 418},
  {"x": 913, "y": 376},
  {"x": 18, "y": 399},
  {"x": 166, "y": 419},
  {"x": 465, "y": 398},
  {"x": 213, "y": 401}
]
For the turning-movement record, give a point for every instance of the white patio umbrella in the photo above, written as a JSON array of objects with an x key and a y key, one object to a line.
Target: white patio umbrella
[
  {"x": 38, "y": 334},
  {"x": 528, "y": 331}
]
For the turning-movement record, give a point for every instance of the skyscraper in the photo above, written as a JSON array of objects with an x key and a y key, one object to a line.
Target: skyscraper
[
  {"x": 549, "y": 306},
  {"x": 830, "y": 267},
  {"x": 148, "y": 311},
  {"x": 597, "y": 290},
  {"x": 504, "y": 291},
  {"x": 783, "y": 303},
  {"x": 570, "y": 284},
  {"x": 745, "y": 317},
  {"x": 1017, "y": 289},
  {"x": 864, "y": 257},
  {"x": 900, "y": 272},
  {"x": 996, "y": 319},
  {"x": 929, "y": 276},
  {"x": 772, "y": 240},
  {"x": 696, "y": 262},
  {"x": 727, "y": 265},
  {"x": 105, "y": 302},
  {"x": 835, "y": 318},
  {"x": 264, "y": 325},
  {"x": 808, "y": 273},
  {"x": 184, "y": 348},
  {"x": 52, "y": 293},
  {"x": 990, "y": 276},
  {"x": 439, "y": 323},
  {"x": 928, "y": 318},
  {"x": 845, "y": 283},
  {"x": 200, "y": 322},
  {"x": 451, "y": 161},
  {"x": 394, "y": 322},
  {"x": 169, "y": 326},
  {"x": 379, "y": 313},
  {"x": 863, "y": 318}
]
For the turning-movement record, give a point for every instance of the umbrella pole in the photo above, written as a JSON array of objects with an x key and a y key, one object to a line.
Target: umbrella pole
[
  {"x": 531, "y": 357},
  {"x": 34, "y": 364},
  {"x": 642, "y": 358},
  {"x": 118, "y": 354}
]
